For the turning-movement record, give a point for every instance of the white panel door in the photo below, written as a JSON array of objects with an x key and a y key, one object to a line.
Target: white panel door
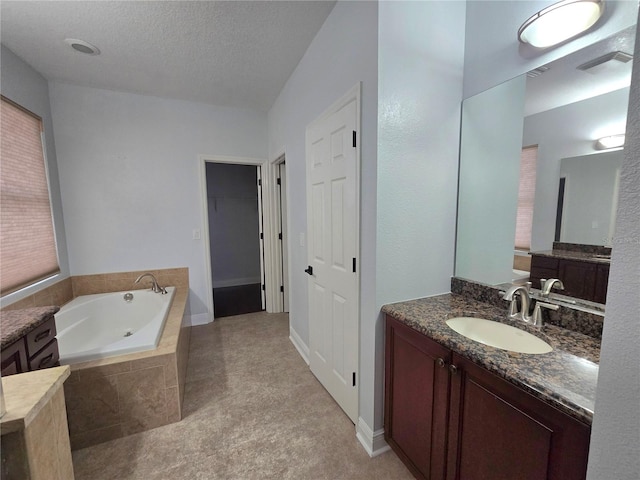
[{"x": 332, "y": 251}]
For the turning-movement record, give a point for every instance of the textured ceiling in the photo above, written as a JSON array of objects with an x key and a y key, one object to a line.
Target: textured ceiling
[{"x": 230, "y": 53}]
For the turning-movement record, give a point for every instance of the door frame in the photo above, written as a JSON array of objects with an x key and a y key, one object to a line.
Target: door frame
[
  {"x": 267, "y": 201},
  {"x": 280, "y": 267}
]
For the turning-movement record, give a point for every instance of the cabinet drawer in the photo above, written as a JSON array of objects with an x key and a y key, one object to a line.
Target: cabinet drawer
[
  {"x": 40, "y": 337},
  {"x": 47, "y": 357}
]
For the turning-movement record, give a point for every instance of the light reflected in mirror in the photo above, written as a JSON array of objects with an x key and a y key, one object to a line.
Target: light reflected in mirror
[{"x": 562, "y": 109}]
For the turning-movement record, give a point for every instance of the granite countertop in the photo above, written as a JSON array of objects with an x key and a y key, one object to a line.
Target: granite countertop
[
  {"x": 573, "y": 255},
  {"x": 17, "y": 323},
  {"x": 566, "y": 378},
  {"x": 27, "y": 393}
]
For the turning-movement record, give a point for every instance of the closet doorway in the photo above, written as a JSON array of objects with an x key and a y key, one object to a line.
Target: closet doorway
[{"x": 236, "y": 238}]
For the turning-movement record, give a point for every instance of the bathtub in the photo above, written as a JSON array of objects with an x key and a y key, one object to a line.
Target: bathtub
[{"x": 105, "y": 324}]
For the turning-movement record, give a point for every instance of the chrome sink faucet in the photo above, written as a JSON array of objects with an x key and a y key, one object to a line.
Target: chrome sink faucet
[
  {"x": 525, "y": 302},
  {"x": 547, "y": 285},
  {"x": 154, "y": 287}
]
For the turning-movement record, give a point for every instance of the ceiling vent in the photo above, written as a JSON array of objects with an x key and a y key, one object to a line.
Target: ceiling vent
[
  {"x": 536, "y": 72},
  {"x": 609, "y": 61}
]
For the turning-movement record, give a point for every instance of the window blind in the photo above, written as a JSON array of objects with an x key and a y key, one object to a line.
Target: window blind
[
  {"x": 526, "y": 197},
  {"x": 27, "y": 242}
]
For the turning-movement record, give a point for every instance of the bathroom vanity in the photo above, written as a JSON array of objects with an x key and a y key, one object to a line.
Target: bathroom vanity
[
  {"x": 458, "y": 409},
  {"x": 28, "y": 340}
]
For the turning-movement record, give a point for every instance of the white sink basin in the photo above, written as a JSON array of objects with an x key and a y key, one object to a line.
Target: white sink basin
[{"x": 498, "y": 335}]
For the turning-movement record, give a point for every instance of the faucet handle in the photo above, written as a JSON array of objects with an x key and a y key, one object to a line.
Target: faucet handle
[{"x": 537, "y": 312}]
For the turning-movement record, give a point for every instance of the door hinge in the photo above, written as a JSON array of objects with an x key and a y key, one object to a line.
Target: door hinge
[
  {"x": 261, "y": 236},
  {"x": 264, "y": 287},
  {"x": 279, "y": 181},
  {"x": 280, "y": 236},
  {"x": 259, "y": 182},
  {"x": 282, "y": 288},
  {"x": 354, "y": 138},
  {"x": 354, "y": 265},
  {"x": 354, "y": 379}
]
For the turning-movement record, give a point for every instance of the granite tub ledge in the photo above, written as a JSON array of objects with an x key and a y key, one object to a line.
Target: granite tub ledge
[{"x": 565, "y": 378}]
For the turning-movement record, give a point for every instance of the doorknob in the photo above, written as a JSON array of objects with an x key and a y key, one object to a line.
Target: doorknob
[{"x": 309, "y": 270}]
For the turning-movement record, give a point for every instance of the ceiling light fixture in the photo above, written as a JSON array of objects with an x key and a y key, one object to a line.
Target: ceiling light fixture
[
  {"x": 612, "y": 141},
  {"x": 82, "y": 46},
  {"x": 559, "y": 22}
]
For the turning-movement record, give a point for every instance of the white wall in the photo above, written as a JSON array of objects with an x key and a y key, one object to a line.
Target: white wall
[
  {"x": 563, "y": 132},
  {"x": 490, "y": 150},
  {"x": 492, "y": 56},
  {"x": 129, "y": 176},
  {"x": 23, "y": 85},
  {"x": 615, "y": 436},
  {"x": 421, "y": 52},
  {"x": 590, "y": 188}
]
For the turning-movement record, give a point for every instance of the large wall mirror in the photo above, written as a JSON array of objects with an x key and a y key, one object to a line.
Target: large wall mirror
[{"x": 561, "y": 108}]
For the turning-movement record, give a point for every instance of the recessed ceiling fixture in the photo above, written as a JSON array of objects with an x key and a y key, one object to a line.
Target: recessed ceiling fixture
[
  {"x": 560, "y": 21},
  {"x": 82, "y": 46},
  {"x": 612, "y": 141}
]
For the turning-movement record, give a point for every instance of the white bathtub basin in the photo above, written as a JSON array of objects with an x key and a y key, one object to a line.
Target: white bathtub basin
[{"x": 498, "y": 335}]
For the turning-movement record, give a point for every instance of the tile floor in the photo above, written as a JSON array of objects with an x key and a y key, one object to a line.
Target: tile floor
[{"x": 252, "y": 410}]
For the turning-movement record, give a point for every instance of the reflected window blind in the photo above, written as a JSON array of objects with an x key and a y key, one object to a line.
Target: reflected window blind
[
  {"x": 27, "y": 242},
  {"x": 526, "y": 197}
]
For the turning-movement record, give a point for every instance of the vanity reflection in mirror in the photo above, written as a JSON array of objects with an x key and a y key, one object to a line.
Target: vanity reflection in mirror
[{"x": 560, "y": 196}]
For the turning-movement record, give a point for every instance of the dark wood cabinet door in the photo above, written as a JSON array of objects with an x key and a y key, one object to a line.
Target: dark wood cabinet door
[
  {"x": 500, "y": 432},
  {"x": 14, "y": 358},
  {"x": 416, "y": 399},
  {"x": 579, "y": 278},
  {"x": 602, "y": 281}
]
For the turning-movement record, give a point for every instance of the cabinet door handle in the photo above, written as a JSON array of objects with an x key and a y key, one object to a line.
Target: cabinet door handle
[
  {"x": 45, "y": 360},
  {"x": 309, "y": 270},
  {"x": 441, "y": 363},
  {"x": 453, "y": 369},
  {"x": 42, "y": 335}
]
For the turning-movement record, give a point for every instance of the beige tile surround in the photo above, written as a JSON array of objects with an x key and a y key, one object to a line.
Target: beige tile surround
[{"x": 118, "y": 396}]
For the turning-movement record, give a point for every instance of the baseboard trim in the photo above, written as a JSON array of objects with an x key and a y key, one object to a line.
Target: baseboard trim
[
  {"x": 200, "y": 319},
  {"x": 302, "y": 347},
  {"x": 373, "y": 442}
]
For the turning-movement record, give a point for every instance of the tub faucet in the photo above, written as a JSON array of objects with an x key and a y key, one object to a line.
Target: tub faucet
[
  {"x": 547, "y": 285},
  {"x": 525, "y": 301},
  {"x": 154, "y": 287}
]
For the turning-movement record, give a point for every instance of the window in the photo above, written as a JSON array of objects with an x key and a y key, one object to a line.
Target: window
[
  {"x": 526, "y": 197},
  {"x": 28, "y": 251}
]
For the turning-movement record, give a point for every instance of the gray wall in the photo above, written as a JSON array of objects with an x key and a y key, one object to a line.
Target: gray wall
[
  {"x": 131, "y": 178},
  {"x": 590, "y": 193},
  {"x": 615, "y": 436},
  {"x": 28, "y": 88},
  {"x": 232, "y": 198}
]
